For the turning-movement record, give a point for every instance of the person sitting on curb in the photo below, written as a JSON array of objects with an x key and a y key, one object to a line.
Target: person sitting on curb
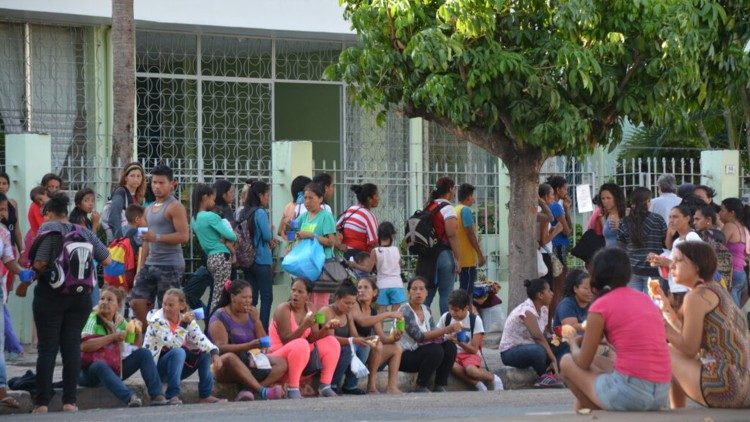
[
  {"x": 708, "y": 340},
  {"x": 236, "y": 329},
  {"x": 631, "y": 323},
  {"x": 180, "y": 348},
  {"x": 105, "y": 333},
  {"x": 387, "y": 350},
  {"x": 468, "y": 365},
  {"x": 425, "y": 349},
  {"x": 297, "y": 337},
  {"x": 525, "y": 341}
]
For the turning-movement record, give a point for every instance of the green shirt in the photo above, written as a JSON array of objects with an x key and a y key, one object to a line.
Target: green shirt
[
  {"x": 94, "y": 327},
  {"x": 210, "y": 229},
  {"x": 322, "y": 225}
]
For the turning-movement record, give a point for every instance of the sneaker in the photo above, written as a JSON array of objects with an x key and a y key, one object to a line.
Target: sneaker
[
  {"x": 327, "y": 391},
  {"x": 497, "y": 384},
  {"x": 421, "y": 390},
  {"x": 174, "y": 401},
  {"x": 293, "y": 393},
  {"x": 480, "y": 386},
  {"x": 274, "y": 393},
  {"x": 354, "y": 391},
  {"x": 548, "y": 381},
  {"x": 135, "y": 401},
  {"x": 244, "y": 395}
]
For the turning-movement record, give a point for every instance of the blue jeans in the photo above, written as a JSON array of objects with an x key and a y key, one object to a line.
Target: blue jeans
[
  {"x": 444, "y": 279},
  {"x": 466, "y": 279},
  {"x": 345, "y": 360},
  {"x": 261, "y": 278},
  {"x": 172, "y": 369},
  {"x": 12, "y": 343},
  {"x": 100, "y": 373},
  {"x": 527, "y": 355},
  {"x": 739, "y": 284},
  {"x": 350, "y": 381}
]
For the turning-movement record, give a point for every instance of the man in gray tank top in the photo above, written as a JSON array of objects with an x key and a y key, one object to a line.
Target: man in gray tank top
[{"x": 162, "y": 246}]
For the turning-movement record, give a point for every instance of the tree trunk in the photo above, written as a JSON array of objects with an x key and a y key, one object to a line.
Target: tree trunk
[
  {"x": 523, "y": 169},
  {"x": 123, "y": 48}
]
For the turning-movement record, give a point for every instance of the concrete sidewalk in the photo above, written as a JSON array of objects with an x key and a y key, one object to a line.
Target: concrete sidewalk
[{"x": 97, "y": 398}]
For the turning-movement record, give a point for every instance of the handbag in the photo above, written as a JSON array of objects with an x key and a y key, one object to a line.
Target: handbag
[
  {"x": 587, "y": 245},
  {"x": 109, "y": 354},
  {"x": 334, "y": 271},
  {"x": 314, "y": 365},
  {"x": 557, "y": 266},
  {"x": 305, "y": 260},
  {"x": 541, "y": 267}
]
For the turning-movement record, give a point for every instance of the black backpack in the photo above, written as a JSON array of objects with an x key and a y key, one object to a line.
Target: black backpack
[{"x": 420, "y": 235}]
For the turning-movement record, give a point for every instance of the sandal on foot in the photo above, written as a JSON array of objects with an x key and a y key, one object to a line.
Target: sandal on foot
[
  {"x": 70, "y": 408},
  {"x": 212, "y": 399},
  {"x": 174, "y": 401},
  {"x": 244, "y": 395},
  {"x": 159, "y": 401},
  {"x": 10, "y": 402},
  {"x": 274, "y": 393},
  {"x": 40, "y": 409}
]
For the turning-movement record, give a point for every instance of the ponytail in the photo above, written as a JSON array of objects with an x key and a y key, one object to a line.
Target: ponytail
[
  {"x": 741, "y": 211},
  {"x": 442, "y": 187},
  {"x": 638, "y": 213}
]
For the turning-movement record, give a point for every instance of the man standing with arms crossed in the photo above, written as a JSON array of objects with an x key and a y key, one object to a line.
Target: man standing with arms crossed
[
  {"x": 469, "y": 252},
  {"x": 168, "y": 230}
]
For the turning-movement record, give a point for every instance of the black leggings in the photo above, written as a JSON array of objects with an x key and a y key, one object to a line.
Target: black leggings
[
  {"x": 59, "y": 322},
  {"x": 430, "y": 359}
]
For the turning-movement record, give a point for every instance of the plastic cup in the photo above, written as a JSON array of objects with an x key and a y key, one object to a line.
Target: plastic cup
[
  {"x": 294, "y": 225},
  {"x": 142, "y": 231},
  {"x": 320, "y": 318},
  {"x": 130, "y": 337},
  {"x": 265, "y": 342},
  {"x": 462, "y": 337},
  {"x": 199, "y": 313},
  {"x": 401, "y": 325},
  {"x": 291, "y": 235}
]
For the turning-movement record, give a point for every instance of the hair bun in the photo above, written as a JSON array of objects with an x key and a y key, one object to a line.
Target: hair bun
[
  {"x": 527, "y": 283},
  {"x": 356, "y": 189}
]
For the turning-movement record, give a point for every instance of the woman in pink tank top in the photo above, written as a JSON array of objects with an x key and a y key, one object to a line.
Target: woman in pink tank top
[{"x": 735, "y": 217}]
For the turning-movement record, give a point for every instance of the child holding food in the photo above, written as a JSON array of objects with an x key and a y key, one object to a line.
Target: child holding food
[{"x": 469, "y": 340}]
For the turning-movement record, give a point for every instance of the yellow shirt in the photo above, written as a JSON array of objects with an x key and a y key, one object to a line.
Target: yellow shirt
[{"x": 467, "y": 255}]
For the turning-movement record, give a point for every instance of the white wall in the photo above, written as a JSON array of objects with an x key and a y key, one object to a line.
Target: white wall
[{"x": 311, "y": 16}]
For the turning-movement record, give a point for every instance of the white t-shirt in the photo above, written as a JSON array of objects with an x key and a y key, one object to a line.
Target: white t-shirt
[
  {"x": 673, "y": 286},
  {"x": 389, "y": 267},
  {"x": 478, "y": 327}
]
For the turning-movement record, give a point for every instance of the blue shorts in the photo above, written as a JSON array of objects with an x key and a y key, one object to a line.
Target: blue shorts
[
  {"x": 391, "y": 296},
  {"x": 616, "y": 391}
]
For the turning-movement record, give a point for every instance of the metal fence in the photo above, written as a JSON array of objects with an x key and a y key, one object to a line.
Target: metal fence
[{"x": 630, "y": 174}]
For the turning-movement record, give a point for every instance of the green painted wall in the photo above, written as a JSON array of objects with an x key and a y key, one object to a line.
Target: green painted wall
[{"x": 310, "y": 112}]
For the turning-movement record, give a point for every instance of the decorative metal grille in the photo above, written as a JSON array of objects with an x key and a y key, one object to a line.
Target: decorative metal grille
[
  {"x": 640, "y": 172},
  {"x": 236, "y": 57},
  {"x": 305, "y": 60},
  {"x": 166, "y": 53}
]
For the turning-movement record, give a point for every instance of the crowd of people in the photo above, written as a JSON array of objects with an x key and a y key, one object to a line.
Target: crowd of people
[{"x": 598, "y": 331}]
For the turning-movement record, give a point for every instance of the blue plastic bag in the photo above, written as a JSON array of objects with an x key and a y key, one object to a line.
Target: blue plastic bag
[{"x": 305, "y": 260}]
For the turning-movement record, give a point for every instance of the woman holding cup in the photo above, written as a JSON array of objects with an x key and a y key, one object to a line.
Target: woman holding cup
[
  {"x": 107, "y": 330},
  {"x": 235, "y": 327}
]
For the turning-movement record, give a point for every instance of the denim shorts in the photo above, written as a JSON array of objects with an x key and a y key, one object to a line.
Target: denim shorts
[
  {"x": 391, "y": 296},
  {"x": 616, "y": 391}
]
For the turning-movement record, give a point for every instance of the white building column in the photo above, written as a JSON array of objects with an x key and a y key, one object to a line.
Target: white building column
[{"x": 721, "y": 170}]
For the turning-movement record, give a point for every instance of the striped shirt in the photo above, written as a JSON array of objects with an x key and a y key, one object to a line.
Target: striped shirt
[
  {"x": 360, "y": 228},
  {"x": 654, "y": 232}
]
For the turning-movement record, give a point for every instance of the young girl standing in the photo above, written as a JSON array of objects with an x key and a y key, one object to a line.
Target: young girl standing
[
  {"x": 211, "y": 232},
  {"x": 387, "y": 259},
  {"x": 84, "y": 205}
]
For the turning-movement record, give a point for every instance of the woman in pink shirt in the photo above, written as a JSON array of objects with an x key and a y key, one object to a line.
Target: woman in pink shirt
[{"x": 633, "y": 326}]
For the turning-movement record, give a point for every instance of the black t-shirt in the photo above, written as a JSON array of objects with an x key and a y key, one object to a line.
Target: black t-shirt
[
  {"x": 366, "y": 331},
  {"x": 11, "y": 222}
]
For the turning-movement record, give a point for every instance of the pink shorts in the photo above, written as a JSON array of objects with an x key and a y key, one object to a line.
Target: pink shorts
[{"x": 468, "y": 359}]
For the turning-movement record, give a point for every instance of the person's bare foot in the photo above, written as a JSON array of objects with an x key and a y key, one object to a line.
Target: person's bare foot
[
  {"x": 373, "y": 391},
  {"x": 212, "y": 399},
  {"x": 40, "y": 409},
  {"x": 70, "y": 408},
  {"x": 394, "y": 391}
]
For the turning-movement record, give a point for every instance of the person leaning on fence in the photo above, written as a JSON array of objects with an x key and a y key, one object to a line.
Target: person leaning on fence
[
  {"x": 235, "y": 327},
  {"x": 297, "y": 337},
  {"x": 63, "y": 315},
  {"x": 179, "y": 348},
  {"x": 103, "y": 345},
  {"x": 525, "y": 342},
  {"x": 468, "y": 365},
  {"x": 632, "y": 324},
  {"x": 131, "y": 190},
  {"x": 168, "y": 230},
  {"x": 425, "y": 350},
  {"x": 710, "y": 326}
]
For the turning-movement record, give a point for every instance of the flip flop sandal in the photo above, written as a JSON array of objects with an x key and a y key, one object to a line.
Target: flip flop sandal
[{"x": 10, "y": 402}]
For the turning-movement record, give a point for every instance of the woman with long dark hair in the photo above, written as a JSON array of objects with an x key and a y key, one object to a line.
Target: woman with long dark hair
[
  {"x": 442, "y": 265},
  {"x": 131, "y": 190},
  {"x": 358, "y": 224},
  {"x": 224, "y": 199},
  {"x": 254, "y": 217},
  {"x": 736, "y": 219},
  {"x": 641, "y": 233},
  {"x": 235, "y": 328},
  {"x": 613, "y": 211}
]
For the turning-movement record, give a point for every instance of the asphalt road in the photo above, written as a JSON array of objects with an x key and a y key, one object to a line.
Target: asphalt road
[{"x": 548, "y": 405}]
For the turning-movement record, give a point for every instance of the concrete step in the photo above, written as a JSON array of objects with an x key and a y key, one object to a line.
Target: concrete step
[{"x": 100, "y": 397}]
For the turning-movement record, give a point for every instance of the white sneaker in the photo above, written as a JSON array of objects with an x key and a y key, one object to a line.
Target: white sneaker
[
  {"x": 480, "y": 386},
  {"x": 497, "y": 384}
]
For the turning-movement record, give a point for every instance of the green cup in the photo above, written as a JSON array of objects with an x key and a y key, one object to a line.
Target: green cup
[
  {"x": 320, "y": 318},
  {"x": 401, "y": 325},
  {"x": 130, "y": 337}
]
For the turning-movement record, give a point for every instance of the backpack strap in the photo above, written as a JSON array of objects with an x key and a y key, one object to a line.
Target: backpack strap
[
  {"x": 340, "y": 226},
  {"x": 472, "y": 321}
]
